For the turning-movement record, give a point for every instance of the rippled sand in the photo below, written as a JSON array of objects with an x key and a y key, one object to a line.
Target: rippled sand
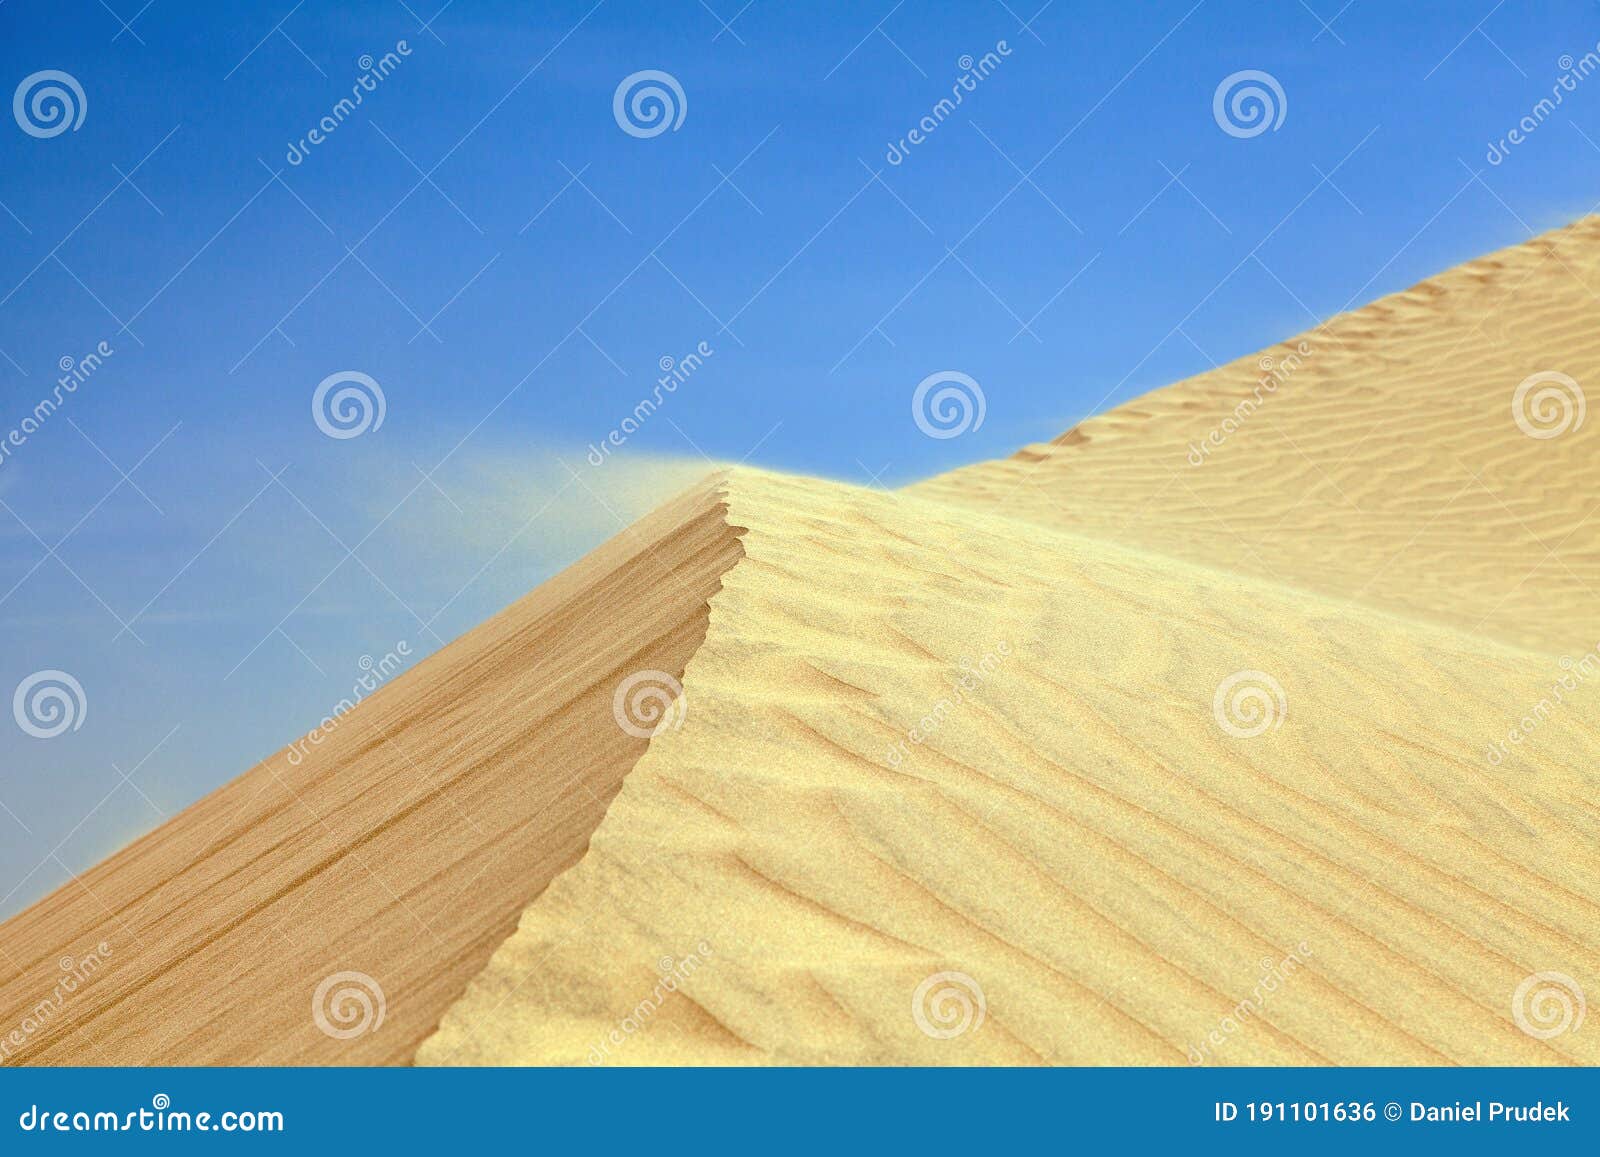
[
  {"x": 1252, "y": 722},
  {"x": 922, "y": 738}
]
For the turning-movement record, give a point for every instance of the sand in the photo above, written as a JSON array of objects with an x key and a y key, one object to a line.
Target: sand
[
  {"x": 1087, "y": 756},
  {"x": 402, "y": 847},
  {"x": 1071, "y": 827},
  {"x": 1384, "y": 465}
]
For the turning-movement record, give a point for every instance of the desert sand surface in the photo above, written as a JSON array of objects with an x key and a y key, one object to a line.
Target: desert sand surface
[
  {"x": 1073, "y": 830},
  {"x": 401, "y": 847},
  {"x": 1074, "y": 833},
  {"x": 1093, "y": 755},
  {"x": 1382, "y": 465}
]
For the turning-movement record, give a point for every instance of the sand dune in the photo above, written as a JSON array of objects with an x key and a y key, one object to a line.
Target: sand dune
[
  {"x": 402, "y": 847},
  {"x": 1091, "y": 755},
  {"x": 1375, "y": 458},
  {"x": 1071, "y": 826},
  {"x": 1358, "y": 519}
]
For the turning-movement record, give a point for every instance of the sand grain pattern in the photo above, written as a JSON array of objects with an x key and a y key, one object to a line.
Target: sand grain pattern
[
  {"x": 969, "y": 727},
  {"x": 402, "y": 848}
]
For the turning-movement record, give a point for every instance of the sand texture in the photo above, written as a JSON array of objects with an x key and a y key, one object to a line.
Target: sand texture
[
  {"x": 1074, "y": 833},
  {"x": 1098, "y": 754},
  {"x": 1385, "y": 467},
  {"x": 403, "y": 847}
]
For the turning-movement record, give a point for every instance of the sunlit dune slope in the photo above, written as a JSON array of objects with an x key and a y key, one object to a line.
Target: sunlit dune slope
[
  {"x": 1250, "y": 722},
  {"x": 1375, "y": 458},
  {"x": 402, "y": 847},
  {"x": 921, "y": 738}
]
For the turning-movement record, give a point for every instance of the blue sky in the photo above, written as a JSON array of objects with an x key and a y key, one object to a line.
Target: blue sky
[{"x": 482, "y": 239}]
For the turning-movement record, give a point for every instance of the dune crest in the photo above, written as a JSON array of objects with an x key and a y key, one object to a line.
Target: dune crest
[
  {"x": 1287, "y": 761},
  {"x": 394, "y": 853},
  {"x": 1378, "y": 457},
  {"x": 923, "y": 743},
  {"x": 1251, "y": 722}
]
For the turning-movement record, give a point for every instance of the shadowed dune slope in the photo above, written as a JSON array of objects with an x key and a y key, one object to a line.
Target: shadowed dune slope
[
  {"x": 1375, "y": 458},
  {"x": 920, "y": 739},
  {"x": 403, "y": 847}
]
